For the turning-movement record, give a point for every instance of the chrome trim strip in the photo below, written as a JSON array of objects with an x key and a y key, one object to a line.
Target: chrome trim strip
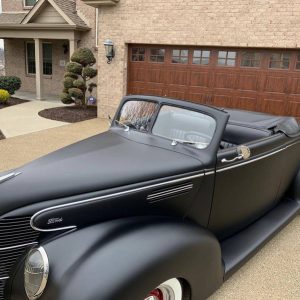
[
  {"x": 18, "y": 246},
  {"x": 9, "y": 176},
  {"x": 102, "y": 198},
  {"x": 4, "y": 278},
  {"x": 210, "y": 173},
  {"x": 256, "y": 159},
  {"x": 169, "y": 192}
]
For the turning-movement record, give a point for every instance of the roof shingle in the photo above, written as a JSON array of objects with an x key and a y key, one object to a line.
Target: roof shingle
[{"x": 11, "y": 18}]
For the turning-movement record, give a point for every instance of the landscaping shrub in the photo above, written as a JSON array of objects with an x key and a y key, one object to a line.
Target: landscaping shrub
[
  {"x": 4, "y": 96},
  {"x": 78, "y": 72},
  {"x": 10, "y": 83}
]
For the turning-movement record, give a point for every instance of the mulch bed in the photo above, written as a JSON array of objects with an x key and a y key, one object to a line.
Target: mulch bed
[
  {"x": 11, "y": 102},
  {"x": 2, "y": 137},
  {"x": 69, "y": 114}
]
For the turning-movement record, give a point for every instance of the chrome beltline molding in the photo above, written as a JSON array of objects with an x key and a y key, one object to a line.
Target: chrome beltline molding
[
  {"x": 8, "y": 177},
  {"x": 18, "y": 246},
  {"x": 102, "y": 198},
  {"x": 222, "y": 169}
]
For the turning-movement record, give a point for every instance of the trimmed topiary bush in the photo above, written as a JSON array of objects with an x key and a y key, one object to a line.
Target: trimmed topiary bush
[
  {"x": 4, "y": 96},
  {"x": 78, "y": 72},
  {"x": 74, "y": 68},
  {"x": 89, "y": 72},
  {"x": 84, "y": 57},
  {"x": 10, "y": 83}
]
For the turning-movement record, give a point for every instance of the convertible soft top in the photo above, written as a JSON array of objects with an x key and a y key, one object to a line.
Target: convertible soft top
[{"x": 265, "y": 122}]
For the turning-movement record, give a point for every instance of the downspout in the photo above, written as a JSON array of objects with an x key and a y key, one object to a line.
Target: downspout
[{"x": 96, "y": 27}]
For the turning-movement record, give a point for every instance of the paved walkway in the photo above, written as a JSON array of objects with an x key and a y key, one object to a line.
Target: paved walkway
[
  {"x": 23, "y": 118},
  {"x": 273, "y": 274}
]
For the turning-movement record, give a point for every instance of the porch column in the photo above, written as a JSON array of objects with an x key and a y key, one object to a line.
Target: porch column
[
  {"x": 73, "y": 47},
  {"x": 39, "y": 68}
]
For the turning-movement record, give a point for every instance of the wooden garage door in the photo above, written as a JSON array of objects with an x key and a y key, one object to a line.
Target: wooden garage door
[{"x": 260, "y": 80}]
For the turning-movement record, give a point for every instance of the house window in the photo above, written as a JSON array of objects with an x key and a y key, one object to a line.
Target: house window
[
  {"x": 138, "y": 54},
  {"x": 157, "y": 55},
  {"x": 180, "y": 56},
  {"x": 226, "y": 58},
  {"x": 29, "y": 3},
  {"x": 47, "y": 58},
  {"x": 279, "y": 61},
  {"x": 251, "y": 59},
  {"x": 298, "y": 62},
  {"x": 201, "y": 57},
  {"x": 30, "y": 53}
]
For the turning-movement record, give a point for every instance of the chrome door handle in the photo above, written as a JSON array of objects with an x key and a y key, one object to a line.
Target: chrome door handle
[
  {"x": 224, "y": 160},
  {"x": 243, "y": 153}
]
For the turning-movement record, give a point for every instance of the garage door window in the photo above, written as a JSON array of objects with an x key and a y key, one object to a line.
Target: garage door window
[
  {"x": 298, "y": 62},
  {"x": 201, "y": 57},
  {"x": 157, "y": 55},
  {"x": 226, "y": 58},
  {"x": 279, "y": 61},
  {"x": 180, "y": 56},
  {"x": 138, "y": 54},
  {"x": 251, "y": 59}
]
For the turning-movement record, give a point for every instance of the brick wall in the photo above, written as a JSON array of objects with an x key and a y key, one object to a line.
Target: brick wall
[
  {"x": 12, "y": 5},
  {"x": 241, "y": 23},
  {"x": 16, "y": 65}
]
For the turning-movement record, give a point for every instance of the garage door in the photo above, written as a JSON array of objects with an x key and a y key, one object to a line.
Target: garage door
[{"x": 260, "y": 80}]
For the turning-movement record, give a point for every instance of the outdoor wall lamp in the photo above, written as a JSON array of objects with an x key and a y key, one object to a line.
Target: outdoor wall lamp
[
  {"x": 109, "y": 49},
  {"x": 66, "y": 48}
]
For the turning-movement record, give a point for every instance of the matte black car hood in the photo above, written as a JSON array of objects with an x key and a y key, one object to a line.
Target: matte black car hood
[{"x": 104, "y": 161}]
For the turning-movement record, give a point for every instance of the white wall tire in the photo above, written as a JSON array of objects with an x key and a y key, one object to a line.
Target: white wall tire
[{"x": 169, "y": 290}]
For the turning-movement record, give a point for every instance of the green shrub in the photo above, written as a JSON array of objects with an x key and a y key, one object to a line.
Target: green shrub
[
  {"x": 79, "y": 83},
  {"x": 89, "y": 72},
  {"x": 10, "y": 83},
  {"x": 78, "y": 74},
  {"x": 74, "y": 67},
  {"x": 66, "y": 98},
  {"x": 4, "y": 96},
  {"x": 84, "y": 57},
  {"x": 71, "y": 75},
  {"x": 76, "y": 93},
  {"x": 68, "y": 82}
]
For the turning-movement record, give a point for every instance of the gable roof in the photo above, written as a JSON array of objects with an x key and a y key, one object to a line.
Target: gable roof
[
  {"x": 65, "y": 8},
  {"x": 11, "y": 18}
]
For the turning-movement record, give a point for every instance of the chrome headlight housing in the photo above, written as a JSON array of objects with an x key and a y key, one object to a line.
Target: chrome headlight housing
[{"x": 36, "y": 273}]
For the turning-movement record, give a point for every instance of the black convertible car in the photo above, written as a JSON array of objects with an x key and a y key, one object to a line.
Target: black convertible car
[{"x": 166, "y": 205}]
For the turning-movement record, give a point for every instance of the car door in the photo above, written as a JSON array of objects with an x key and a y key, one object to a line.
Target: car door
[{"x": 246, "y": 188}]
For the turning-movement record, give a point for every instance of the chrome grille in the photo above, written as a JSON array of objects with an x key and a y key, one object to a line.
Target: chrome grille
[{"x": 16, "y": 236}]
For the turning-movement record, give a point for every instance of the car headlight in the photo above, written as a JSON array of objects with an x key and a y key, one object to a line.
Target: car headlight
[{"x": 36, "y": 272}]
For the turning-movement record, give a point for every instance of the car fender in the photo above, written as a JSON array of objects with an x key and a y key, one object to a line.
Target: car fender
[{"x": 127, "y": 258}]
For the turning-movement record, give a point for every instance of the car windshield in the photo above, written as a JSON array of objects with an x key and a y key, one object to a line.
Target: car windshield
[
  {"x": 184, "y": 126},
  {"x": 137, "y": 114}
]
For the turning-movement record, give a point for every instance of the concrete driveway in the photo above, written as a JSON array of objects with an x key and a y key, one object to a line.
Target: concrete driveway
[{"x": 274, "y": 273}]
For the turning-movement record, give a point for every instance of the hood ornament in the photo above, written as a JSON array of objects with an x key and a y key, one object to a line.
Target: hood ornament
[{"x": 8, "y": 177}]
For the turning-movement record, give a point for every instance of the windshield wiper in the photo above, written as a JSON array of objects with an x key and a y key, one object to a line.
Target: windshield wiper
[
  {"x": 126, "y": 127},
  {"x": 176, "y": 141}
]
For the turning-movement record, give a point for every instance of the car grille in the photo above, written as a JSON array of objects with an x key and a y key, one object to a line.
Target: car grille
[{"x": 16, "y": 236}]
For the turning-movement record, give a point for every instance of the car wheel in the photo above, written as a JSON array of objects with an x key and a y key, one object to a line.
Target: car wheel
[{"x": 169, "y": 290}]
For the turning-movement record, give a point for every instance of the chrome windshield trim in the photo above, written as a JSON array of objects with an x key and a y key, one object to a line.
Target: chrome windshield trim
[
  {"x": 102, "y": 198},
  {"x": 8, "y": 177},
  {"x": 18, "y": 246}
]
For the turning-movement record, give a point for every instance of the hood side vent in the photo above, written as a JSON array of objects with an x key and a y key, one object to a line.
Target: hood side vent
[{"x": 170, "y": 192}]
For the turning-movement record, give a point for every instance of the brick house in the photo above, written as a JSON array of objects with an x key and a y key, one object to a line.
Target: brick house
[
  {"x": 39, "y": 37},
  {"x": 234, "y": 53}
]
